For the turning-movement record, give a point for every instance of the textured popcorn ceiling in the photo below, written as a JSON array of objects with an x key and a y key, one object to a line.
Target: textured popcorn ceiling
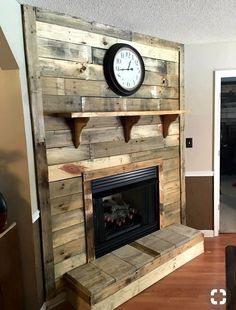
[{"x": 185, "y": 21}]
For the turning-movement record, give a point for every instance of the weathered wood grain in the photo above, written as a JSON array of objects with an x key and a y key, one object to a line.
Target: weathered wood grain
[
  {"x": 182, "y": 136},
  {"x": 67, "y": 219},
  {"x": 70, "y": 69},
  {"x": 69, "y": 250},
  {"x": 36, "y": 106},
  {"x": 63, "y": 138},
  {"x": 65, "y": 187},
  {"x": 70, "y": 63},
  {"x": 76, "y": 23},
  {"x": 114, "y": 266},
  {"x": 67, "y": 34},
  {"x": 133, "y": 256},
  {"x": 64, "y": 204},
  {"x": 172, "y": 218},
  {"x": 68, "y": 154},
  {"x": 78, "y": 279},
  {"x": 171, "y": 196},
  {"x": 154, "y": 41},
  {"x": 66, "y": 235},
  {"x": 69, "y": 264},
  {"x": 127, "y": 104},
  {"x": 170, "y": 164},
  {"x": 171, "y": 175},
  {"x": 88, "y": 208},
  {"x": 55, "y": 49},
  {"x": 61, "y": 86},
  {"x": 55, "y": 122},
  {"x": 100, "y": 173},
  {"x": 57, "y": 104},
  {"x": 85, "y": 71}
]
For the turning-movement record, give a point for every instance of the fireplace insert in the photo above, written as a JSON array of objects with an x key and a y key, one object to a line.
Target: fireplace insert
[{"x": 125, "y": 208}]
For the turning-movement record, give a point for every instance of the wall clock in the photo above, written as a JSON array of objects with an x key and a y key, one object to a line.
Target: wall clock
[{"x": 124, "y": 69}]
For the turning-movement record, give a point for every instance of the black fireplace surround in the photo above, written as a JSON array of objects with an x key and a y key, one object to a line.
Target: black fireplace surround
[{"x": 125, "y": 208}]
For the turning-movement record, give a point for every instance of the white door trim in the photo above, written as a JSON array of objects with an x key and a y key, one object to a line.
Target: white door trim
[{"x": 219, "y": 74}]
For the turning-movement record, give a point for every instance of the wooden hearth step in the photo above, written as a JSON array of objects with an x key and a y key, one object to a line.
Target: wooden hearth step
[{"x": 112, "y": 279}]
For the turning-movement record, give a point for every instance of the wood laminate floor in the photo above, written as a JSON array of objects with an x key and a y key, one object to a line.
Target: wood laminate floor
[{"x": 189, "y": 287}]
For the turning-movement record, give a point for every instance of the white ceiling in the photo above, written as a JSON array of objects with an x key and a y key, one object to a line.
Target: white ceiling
[{"x": 184, "y": 21}]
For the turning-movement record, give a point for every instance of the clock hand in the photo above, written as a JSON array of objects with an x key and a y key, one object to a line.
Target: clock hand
[{"x": 129, "y": 65}]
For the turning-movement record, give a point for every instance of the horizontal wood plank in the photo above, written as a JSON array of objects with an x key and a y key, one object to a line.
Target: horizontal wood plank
[
  {"x": 67, "y": 219},
  {"x": 69, "y": 250},
  {"x": 67, "y": 34},
  {"x": 76, "y": 23},
  {"x": 64, "y": 204},
  {"x": 61, "y": 86},
  {"x": 54, "y": 49},
  {"x": 66, "y": 235},
  {"x": 69, "y": 264}
]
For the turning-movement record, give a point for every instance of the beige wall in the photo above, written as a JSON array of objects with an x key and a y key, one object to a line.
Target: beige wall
[
  {"x": 17, "y": 178},
  {"x": 200, "y": 62},
  {"x": 14, "y": 181},
  {"x": 11, "y": 25}
]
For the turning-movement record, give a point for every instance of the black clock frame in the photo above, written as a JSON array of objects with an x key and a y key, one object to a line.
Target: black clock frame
[{"x": 108, "y": 69}]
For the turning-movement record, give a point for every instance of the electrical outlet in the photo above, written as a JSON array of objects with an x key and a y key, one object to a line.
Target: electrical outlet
[{"x": 189, "y": 142}]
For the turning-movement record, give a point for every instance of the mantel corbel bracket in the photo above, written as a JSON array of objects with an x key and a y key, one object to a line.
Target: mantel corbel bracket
[
  {"x": 79, "y": 124},
  {"x": 127, "y": 123},
  {"x": 166, "y": 121}
]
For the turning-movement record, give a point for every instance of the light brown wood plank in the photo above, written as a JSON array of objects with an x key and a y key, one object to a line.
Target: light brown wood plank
[
  {"x": 62, "y": 87},
  {"x": 137, "y": 286},
  {"x": 55, "y": 49},
  {"x": 133, "y": 256},
  {"x": 35, "y": 99},
  {"x": 67, "y": 219},
  {"x": 66, "y": 235},
  {"x": 65, "y": 187},
  {"x": 184, "y": 230},
  {"x": 114, "y": 266},
  {"x": 90, "y": 279},
  {"x": 77, "y": 36},
  {"x": 69, "y": 264},
  {"x": 168, "y": 236},
  {"x": 154, "y": 41},
  {"x": 88, "y": 215},
  {"x": 63, "y": 204},
  {"x": 63, "y": 138},
  {"x": 153, "y": 245},
  {"x": 54, "y": 103},
  {"x": 119, "y": 113},
  {"x": 76, "y": 23},
  {"x": 96, "y": 104},
  {"x": 67, "y": 154},
  {"x": 171, "y": 196},
  {"x": 69, "y": 249}
]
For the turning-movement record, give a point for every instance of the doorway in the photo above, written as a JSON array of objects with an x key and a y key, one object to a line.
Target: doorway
[{"x": 225, "y": 152}]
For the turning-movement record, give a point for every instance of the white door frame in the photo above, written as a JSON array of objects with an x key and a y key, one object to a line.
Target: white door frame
[{"x": 219, "y": 74}]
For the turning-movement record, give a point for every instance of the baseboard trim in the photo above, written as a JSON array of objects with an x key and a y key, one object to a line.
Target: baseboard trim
[
  {"x": 208, "y": 233},
  {"x": 35, "y": 216},
  {"x": 199, "y": 173},
  {"x": 44, "y": 307},
  {"x": 59, "y": 299}
]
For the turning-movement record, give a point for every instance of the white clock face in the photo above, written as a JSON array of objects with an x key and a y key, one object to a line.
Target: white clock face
[{"x": 127, "y": 68}]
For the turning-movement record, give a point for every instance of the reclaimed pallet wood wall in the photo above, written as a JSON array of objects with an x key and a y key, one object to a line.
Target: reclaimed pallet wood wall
[{"x": 65, "y": 57}]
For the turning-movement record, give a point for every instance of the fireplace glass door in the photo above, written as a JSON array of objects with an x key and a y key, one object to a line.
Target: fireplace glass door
[{"x": 125, "y": 208}]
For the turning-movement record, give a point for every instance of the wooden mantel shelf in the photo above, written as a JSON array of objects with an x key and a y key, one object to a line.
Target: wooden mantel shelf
[{"x": 127, "y": 118}]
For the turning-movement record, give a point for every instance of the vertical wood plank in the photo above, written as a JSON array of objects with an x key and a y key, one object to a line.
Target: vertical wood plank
[
  {"x": 35, "y": 93},
  {"x": 182, "y": 144},
  {"x": 88, "y": 207}
]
